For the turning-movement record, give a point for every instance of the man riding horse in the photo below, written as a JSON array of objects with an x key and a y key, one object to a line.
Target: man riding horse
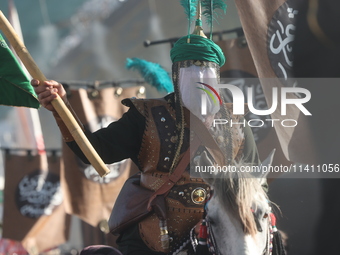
[{"x": 156, "y": 133}]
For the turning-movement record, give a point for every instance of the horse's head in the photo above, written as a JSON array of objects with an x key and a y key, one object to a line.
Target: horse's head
[{"x": 238, "y": 213}]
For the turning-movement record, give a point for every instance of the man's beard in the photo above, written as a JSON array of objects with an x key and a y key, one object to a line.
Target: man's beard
[{"x": 191, "y": 91}]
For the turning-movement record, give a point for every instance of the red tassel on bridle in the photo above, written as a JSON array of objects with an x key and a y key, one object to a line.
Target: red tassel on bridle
[
  {"x": 273, "y": 221},
  {"x": 202, "y": 247}
]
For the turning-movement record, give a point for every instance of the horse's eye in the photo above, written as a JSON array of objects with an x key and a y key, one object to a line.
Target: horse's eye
[
  {"x": 211, "y": 221},
  {"x": 265, "y": 216}
]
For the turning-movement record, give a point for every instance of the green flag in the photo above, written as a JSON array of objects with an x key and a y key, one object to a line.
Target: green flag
[{"x": 15, "y": 87}]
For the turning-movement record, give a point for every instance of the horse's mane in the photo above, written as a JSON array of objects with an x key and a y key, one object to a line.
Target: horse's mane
[{"x": 239, "y": 189}]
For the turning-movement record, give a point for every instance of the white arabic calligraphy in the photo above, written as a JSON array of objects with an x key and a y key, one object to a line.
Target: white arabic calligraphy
[
  {"x": 38, "y": 200},
  {"x": 283, "y": 43}
]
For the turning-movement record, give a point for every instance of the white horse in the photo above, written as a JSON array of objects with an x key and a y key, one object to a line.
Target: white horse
[{"x": 238, "y": 213}]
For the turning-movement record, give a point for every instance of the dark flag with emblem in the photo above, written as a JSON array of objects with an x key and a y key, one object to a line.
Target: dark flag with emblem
[
  {"x": 34, "y": 213},
  {"x": 269, "y": 28},
  {"x": 240, "y": 71},
  {"x": 88, "y": 195}
]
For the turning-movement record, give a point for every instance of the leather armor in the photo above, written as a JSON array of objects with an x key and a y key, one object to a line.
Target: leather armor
[{"x": 184, "y": 208}]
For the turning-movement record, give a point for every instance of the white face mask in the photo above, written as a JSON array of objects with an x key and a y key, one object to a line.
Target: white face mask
[{"x": 191, "y": 91}]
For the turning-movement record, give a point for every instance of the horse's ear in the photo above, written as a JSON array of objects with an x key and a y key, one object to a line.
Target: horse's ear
[{"x": 264, "y": 167}]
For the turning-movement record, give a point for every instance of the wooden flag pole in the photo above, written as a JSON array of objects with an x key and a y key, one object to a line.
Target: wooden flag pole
[{"x": 57, "y": 103}]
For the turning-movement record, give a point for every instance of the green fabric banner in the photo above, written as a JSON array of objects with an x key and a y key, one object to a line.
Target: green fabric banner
[{"x": 15, "y": 87}]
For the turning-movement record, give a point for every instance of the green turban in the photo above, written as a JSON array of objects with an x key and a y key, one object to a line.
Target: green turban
[{"x": 199, "y": 48}]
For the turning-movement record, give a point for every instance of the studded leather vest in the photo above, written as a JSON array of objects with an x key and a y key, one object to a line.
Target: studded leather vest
[{"x": 184, "y": 206}]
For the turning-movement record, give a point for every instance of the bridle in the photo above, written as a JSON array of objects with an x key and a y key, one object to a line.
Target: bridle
[
  {"x": 211, "y": 241},
  {"x": 213, "y": 248}
]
